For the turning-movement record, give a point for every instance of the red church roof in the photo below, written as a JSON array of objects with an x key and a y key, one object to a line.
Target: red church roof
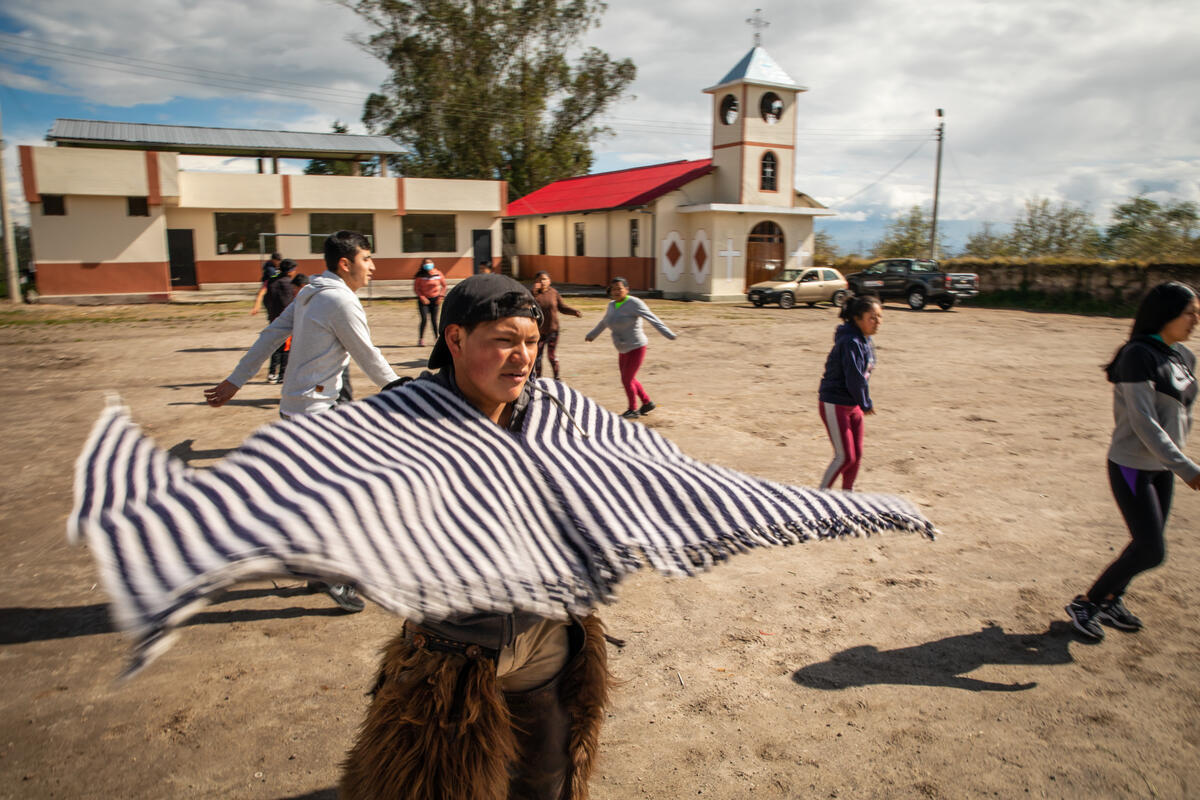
[{"x": 626, "y": 188}]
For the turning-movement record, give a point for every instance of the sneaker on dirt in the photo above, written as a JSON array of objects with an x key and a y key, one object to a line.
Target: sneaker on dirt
[
  {"x": 346, "y": 598},
  {"x": 1114, "y": 613},
  {"x": 1083, "y": 613}
]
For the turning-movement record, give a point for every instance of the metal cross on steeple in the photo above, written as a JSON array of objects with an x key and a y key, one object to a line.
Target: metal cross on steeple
[{"x": 758, "y": 23}]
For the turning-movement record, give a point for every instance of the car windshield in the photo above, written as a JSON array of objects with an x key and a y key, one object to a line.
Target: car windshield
[{"x": 788, "y": 275}]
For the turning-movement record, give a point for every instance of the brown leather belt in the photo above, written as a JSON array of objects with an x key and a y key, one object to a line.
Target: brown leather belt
[{"x": 425, "y": 640}]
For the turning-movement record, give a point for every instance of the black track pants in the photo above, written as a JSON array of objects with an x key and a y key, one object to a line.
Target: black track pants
[{"x": 1145, "y": 500}]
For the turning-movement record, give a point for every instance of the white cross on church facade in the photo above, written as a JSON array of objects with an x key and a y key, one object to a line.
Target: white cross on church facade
[{"x": 729, "y": 254}]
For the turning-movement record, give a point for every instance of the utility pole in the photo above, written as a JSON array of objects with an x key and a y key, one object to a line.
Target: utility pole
[
  {"x": 10, "y": 242},
  {"x": 937, "y": 185}
]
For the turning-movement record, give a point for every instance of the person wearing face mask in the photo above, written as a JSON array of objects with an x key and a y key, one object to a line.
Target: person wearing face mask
[
  {"x": 844, "y": 392},
  {"x": 1154, "y": 389},
  {"x": 430, "y": 287}
]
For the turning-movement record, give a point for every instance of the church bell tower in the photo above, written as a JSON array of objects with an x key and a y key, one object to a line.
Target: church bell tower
[{"x": 754, "y": 132}]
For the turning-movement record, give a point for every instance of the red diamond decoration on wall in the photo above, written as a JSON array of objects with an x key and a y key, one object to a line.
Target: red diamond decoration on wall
[
  {"x": 701, "y": 256},
  {"x": 673, "y": 254}
]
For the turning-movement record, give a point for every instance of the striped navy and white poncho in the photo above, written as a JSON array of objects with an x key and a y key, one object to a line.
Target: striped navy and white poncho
[{"x": 431, "y": 509}]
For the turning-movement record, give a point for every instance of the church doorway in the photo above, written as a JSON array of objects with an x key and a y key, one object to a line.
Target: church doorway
[{"x": 764, "y": 253}]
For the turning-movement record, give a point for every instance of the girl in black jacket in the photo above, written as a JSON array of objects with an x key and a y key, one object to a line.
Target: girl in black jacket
[{"x": 844, "y": 394}]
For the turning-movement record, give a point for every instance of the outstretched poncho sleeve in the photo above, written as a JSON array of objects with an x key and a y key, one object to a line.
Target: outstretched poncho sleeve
[{"x": 431, "y": 510}]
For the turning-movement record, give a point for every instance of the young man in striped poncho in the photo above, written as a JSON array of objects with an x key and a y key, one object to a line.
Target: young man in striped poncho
[{"x": 485, "y": 705}]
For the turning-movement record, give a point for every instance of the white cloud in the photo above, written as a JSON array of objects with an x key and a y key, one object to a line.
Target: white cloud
[{"x": 1080, "y": 102}]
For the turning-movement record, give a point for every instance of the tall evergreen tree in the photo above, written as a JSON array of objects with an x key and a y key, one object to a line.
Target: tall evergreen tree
[{"x": 485, "y": 89}]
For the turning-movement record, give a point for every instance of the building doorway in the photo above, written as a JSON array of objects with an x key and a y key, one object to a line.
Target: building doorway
[
  {"x": 765, "y": 253},
  {"x": 181, "y": 253},
  {"x": 482, "y": 250}
]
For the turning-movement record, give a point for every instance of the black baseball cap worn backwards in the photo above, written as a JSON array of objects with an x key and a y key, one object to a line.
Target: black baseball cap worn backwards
[{"x": 481, "y": 298}]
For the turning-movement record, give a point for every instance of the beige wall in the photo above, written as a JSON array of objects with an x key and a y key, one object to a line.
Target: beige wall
[
  {"x": 752, "y": 177},
  {"x": 343, "y": 192},
  {"x": 432, "y": 194},
  {"x": 230, "y": 192},
  {"x": 78, "y": 170},
  {"x": 97, "y": 229},
  {"x": 168, "y": 175}
]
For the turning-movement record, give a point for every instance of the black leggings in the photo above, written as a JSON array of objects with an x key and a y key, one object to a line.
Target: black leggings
[
  {"x": 428, "y": 311},
  {"x": 1145, "y": 500}
]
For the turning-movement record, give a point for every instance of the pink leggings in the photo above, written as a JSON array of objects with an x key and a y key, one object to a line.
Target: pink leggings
[
  {"x": 630, "y": 363},
  {"x": 844, "y": 424}
]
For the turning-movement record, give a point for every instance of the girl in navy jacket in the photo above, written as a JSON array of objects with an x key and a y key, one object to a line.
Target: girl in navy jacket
[{"x": 844, "y": 394}]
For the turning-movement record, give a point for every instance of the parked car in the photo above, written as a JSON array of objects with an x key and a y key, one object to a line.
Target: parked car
[
  {"x": 918, "y": 281},
  {"x": 812, "y": 285}
]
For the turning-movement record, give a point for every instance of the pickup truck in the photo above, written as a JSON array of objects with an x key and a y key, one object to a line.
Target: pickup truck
[{"x": 918, "y": 281}]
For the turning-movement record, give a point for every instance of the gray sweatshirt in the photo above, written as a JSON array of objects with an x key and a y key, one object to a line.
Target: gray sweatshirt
[
  {"x": 626, "y": 324},
  {"x": 1154, "y": 389},
  {"x": 328, "y": 327}
]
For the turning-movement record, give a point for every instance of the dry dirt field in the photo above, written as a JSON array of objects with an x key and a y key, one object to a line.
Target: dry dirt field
[{"x": 889, "y": 667}]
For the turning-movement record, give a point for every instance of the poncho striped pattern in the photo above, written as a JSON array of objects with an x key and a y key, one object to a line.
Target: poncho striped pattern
[{"x": 431, "y": 510}]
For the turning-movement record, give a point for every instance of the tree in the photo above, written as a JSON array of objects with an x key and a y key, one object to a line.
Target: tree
[
  {"x": 1045, "y": 231},
  {"x": 825, "y": 249},
  {"x": 323, "y": 166},
  {"x": 484, "y": 88},
  {"x": 986, "y": 244},
  {"x": 1144, "y": 229},
  {"x": 907, "y": 237}
]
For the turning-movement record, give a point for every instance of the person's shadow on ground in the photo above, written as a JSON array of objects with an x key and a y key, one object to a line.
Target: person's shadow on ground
[
  {"x": 943, "y": 662},
  {"x": 20, "y": 625}
]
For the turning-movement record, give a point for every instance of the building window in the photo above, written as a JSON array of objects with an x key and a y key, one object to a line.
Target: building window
[
  {"x": 137, "y": 207},
  {"x": 579, "y": 239},
  {"x": 633, "y": 237},
  {"x": 429, "y": 233},
  {"x": 771, "y": 108},
  {"x": 239, "y": 232},
  {"x": 54, "y": 205},
  {"x": 541, "y": 240},
  {"x": 321, "y": 225},
  {"x": 729, "y": 110},
  {"x": 769, "y": 168}
]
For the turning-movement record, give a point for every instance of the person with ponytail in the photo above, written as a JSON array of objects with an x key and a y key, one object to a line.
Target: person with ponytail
[
  {"x": 1154, "y": 389},
  {"x": 844, "y": 396}
]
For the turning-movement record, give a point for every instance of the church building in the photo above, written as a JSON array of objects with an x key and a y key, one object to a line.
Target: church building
[{"x": 703, "y": 229}]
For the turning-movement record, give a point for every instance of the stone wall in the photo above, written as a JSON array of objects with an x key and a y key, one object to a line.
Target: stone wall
[{"x": 1106, "y": 281}]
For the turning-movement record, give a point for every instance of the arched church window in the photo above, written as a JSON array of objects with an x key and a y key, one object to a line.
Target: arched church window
[
  {"x": 771, "y": 108},
  {"x": 729, "y": 109},
  {"x": 769, "y": 170}
]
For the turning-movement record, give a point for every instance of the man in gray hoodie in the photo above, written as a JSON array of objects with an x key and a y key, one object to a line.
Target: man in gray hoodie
[{"x": 328, "y": 327}]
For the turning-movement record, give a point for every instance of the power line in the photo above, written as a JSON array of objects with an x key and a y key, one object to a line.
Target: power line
[{"x": 886, "y": 174}]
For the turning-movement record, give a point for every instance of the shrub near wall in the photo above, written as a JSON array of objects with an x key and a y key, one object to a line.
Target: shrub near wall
[{"x": 1064, "y": 284}]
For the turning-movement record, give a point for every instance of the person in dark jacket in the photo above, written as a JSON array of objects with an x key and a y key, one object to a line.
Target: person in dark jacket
[
  {"x": 551, "y": 304},
  {"x": 1154, "y": 389},
  {"x": 844, "y": 393},
  {"x": 280, "y": 291}
]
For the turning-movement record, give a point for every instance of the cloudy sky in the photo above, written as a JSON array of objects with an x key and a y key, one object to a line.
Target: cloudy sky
[{"x": 1086, "y": 102}]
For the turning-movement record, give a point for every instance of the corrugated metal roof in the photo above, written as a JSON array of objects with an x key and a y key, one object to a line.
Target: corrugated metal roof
[
  {"x": 627, "y": 188},
  {"x": 759, "y": 68},
  {"x": 218, "y": 141}
]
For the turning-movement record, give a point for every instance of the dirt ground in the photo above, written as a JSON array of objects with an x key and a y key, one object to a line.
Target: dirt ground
[{"x": 878, "y": 668}]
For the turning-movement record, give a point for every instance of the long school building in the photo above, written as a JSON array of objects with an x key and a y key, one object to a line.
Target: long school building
[{"x": 114, "y": 216}]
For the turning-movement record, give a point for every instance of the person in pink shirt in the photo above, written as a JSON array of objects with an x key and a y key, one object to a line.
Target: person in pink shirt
[{"x": 430, "y": 288}]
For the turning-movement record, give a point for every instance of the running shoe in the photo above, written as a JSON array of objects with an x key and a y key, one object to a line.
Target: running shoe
[
  {"x": 1114, "y": 613},
  {"x": 346, "y": 598},
  {"x": 647, "y": 407},
  {"x": 1083, "y": 614},
  {"x": 632, "y": 413}
]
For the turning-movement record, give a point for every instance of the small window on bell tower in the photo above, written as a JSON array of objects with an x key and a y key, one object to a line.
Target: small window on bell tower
[
  {"x": 769, "y": 170},
  {"x": 729, "y": 110}
]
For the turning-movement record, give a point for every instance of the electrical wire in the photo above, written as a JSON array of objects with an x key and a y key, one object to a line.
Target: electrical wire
[{"x": 879, "y": 180}]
